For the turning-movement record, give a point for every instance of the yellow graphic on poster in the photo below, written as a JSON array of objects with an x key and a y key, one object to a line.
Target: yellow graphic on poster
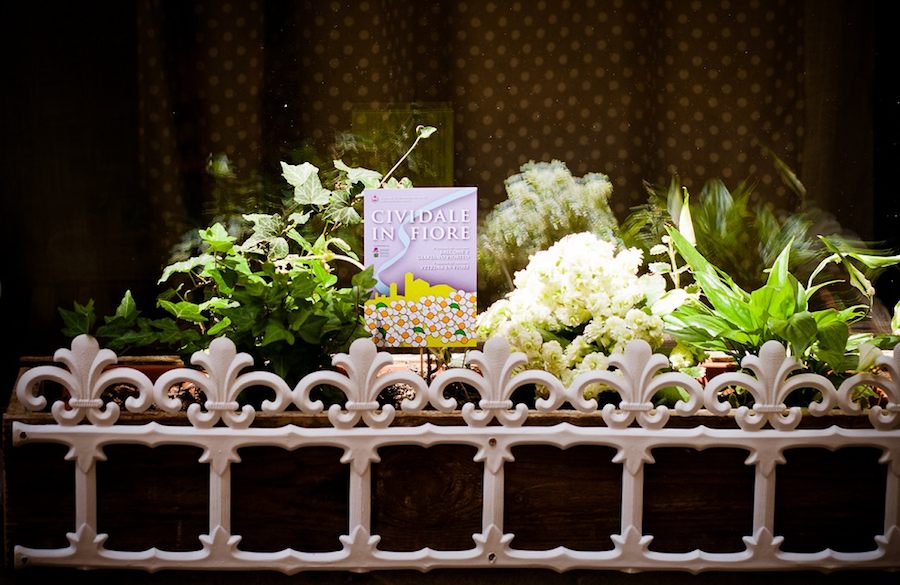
[{"x": 426, "y": 316}]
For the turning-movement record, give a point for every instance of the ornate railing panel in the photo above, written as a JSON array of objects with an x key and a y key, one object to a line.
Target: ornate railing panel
[{"x": 634, "y": 427}]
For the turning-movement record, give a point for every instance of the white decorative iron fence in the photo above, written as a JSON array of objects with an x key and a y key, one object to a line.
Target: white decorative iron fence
[{"x": 494, "y": 426}]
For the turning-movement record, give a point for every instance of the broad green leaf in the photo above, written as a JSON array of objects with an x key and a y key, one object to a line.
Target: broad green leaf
[
  {"x": 275, "y": 331},
  {"x": 298, "y": 175},
  {"x": 368, "y": 178},
  {"x": 218, "y": 304},
  {"x": 671, "y": 395},
  {"x": 245, "y": 317},
  {"x": 847, "y": 316},
  {"x": 725, "y": 296},
  {"x": 311, "y": 330},
  {"x": 79, "y": 320},
  {"x": 780, "y": 297},
  {"x": 340, "y": 244},
  {"x": 778, "y": 274},
  {"x": 142, "y": 337},
  {"x": 868, "y": 355},
  {"x": 295, "y": 235},
  {"x": 832, "y": 344},
  {"x": 788, "y": 177},
  {"x": 344, "y": 216},
  {"x": 860, "y": 254},
  {"x": 393, "y": 183},
  {"x": 859, "y": 281},
  {"x": 217, "y": 238},
  {"x": 298, "y": 318},
  {"x": 225, "y": 282},
  {"x": 325, "y": 278},
  {"x": 169, "y": 333},
  {"x": 320, "y": 246},
  {"x": 184, "y": 310},
  {"x": 220, "y": 326},
  {"x": 264, "y": 225},
  {"x": 799, "y": 331},
  {"x": 185, "y": 266},
  {"x": 311, "y": 192},
  {"x": 278, "y": 248},
  {"x": 714, "y": 209},
  {"x": 364, "y": 279},
  {"x": 303, "y": 286},
  {"x": 296, "y": 218},
  {"x": 895, "y": 320},
  {"x": 127, "y": 307}
]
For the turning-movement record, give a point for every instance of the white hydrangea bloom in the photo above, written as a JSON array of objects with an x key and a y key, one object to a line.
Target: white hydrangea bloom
[{"x": 575, "y": 304}]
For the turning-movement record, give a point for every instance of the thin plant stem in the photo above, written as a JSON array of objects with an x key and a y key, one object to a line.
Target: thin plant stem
[{"x": 402, "y": 158}]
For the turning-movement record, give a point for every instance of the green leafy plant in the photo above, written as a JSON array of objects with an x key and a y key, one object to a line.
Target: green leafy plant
[
  {"x": 743, "y": 236},
  {"x": 545, "y": 203},
  {"x": 274, "y": 288},
  {"x": 738, "y": 322},
  {"x": 730, "y": 228}
]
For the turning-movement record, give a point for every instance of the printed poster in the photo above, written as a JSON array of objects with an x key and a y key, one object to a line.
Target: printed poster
[{"x": 423, "y": 245}]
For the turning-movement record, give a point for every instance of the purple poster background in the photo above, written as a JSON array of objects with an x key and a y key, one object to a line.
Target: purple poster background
[{"x": 429, "y": 232}]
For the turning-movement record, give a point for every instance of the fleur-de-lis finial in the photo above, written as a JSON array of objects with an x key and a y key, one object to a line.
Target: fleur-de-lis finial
[
  {"x": 221, "y": 382},
  {"x": 885, "y": 417},
  {"x": 772, "y": 384},
  {"x": 495, "y": 383},
  {"x": 85, "y": 377},
  {"x": 636, "y": 381},
  {"x": 362, "y": 382}
]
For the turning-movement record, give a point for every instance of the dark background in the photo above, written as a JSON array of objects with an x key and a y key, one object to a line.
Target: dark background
[
  {"x": 110, "y": 110},
  {"x": 108, "y": 114}
]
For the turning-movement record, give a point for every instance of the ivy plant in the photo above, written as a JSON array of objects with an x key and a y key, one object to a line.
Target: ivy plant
[{"x": 288, "y": 289}]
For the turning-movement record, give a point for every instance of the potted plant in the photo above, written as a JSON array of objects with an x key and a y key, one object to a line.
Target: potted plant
[
  {"x": 287, "y": 287},
  {"x": 727, "y": 319}
]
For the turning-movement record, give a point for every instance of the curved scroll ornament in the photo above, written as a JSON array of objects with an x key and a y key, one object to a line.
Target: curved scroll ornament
[
  {"x": 495, "y": 385},
  {"x": 636, "y": 381},
  {"x": 221, "y": 382},
  {"x": 362, "y": 384},
  {"x": 881, "y": 418},
  {"x": 771, "y": 386},
  {"x": 85, "y": 377}
]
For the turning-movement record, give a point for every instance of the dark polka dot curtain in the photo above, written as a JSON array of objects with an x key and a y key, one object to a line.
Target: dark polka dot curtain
[{"x": 638, "y": 90}]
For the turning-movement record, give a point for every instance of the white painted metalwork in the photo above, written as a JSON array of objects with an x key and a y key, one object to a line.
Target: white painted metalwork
[{"x": 361, "y": 428}]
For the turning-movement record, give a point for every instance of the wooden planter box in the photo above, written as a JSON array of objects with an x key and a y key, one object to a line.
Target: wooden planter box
[{"x": 566, "y": 489}]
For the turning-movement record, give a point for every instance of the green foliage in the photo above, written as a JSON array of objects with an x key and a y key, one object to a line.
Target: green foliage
[
  {"x": 738, "y": 322},
  {"x": 743, "y": 237},
  {"x": 545, "y": 203},
  {"x": 730, "y": 228},
  {"x": 272, "y": 285}
]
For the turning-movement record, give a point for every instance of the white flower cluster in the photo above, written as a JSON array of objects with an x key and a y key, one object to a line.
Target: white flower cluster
[
  {"x": 404, "y": 323},
  {"x": 576, "y": 303}
]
